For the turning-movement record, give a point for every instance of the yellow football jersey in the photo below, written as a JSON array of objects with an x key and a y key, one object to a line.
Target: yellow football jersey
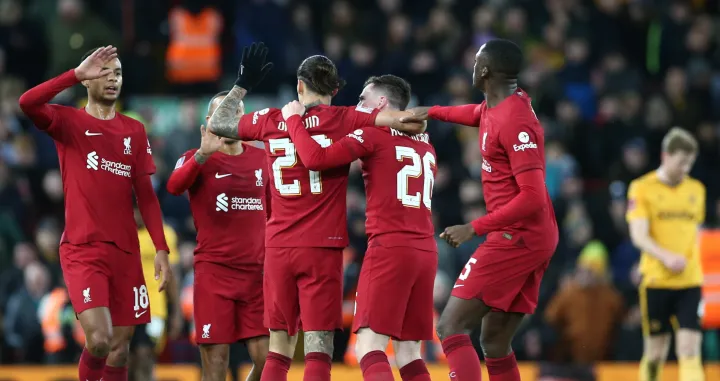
[
  {"x": 674, "y": 214},
  {"x": 158, "y": 300}
]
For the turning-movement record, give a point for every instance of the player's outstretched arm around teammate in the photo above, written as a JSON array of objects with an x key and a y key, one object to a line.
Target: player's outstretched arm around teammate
[
  {"x": 253, "y": 69},
  {"x": 467, "y": 115},
  {"x": 34, "y": 103},
  {"x": 187, "y": 171},
  {"x": 312, "y": 154}
]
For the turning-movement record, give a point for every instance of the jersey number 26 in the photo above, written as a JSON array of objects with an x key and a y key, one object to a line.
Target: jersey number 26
[{"x": 417, "y": 168}]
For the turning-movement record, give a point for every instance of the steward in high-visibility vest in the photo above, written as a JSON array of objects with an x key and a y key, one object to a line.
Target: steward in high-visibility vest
[
  {"x": 51, "y": 314},
  {"x": 194, "y": 53},
  {"x": 709, "y": 310}
]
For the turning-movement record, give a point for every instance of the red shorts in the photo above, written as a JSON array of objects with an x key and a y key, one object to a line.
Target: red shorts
[
  {"x": 228, "y": 309},
  {"x": 99, "y": 274},
  {"x": 504, "y": 277},
  {"x": 303, "y": 285},
  {"x": 395, "y": 293}
]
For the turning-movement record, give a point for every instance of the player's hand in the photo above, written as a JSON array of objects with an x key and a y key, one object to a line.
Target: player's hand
[
  {"x": 253, "y": 67},
  {"x": 92, "y": 66},
  {"x": 209, "y": 142},
  {"x": 293, "y": 108},
  {"x": 419, "y": 114},
  {"x": 674, "y": 262},
  {"x": 458, "y": 234},
  {"x": 162, "y": 269}
]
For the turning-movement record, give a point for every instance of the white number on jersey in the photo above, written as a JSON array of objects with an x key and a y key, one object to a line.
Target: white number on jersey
[
  {"x": 142, "y": 300},
  {"x": 288, "y": 161},
  {"x": 415, "y": 170},
  {"x": 468, "y": 267}
]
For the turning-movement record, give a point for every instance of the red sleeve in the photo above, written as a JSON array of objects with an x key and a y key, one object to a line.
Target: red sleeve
[
  {"x": 150, "y": 210},
  {"x": 319, "y": 155},
  {"x": 184, "y": 175},
  {"x": 34, "y": 103},
  {"x": 467, "y": 115},
  {"x": 250, "y": 126},
  {"x": 523, "y": 146},
  {"x": 357, "y": 117},
  {"x": 145, "y": 163},
  {"x": 528, "y": 201}
]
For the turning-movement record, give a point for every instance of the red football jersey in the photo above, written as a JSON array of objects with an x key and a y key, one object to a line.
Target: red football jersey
[
  {"x": 397, "y": 215},
  {"x": 308, "y": 206},
  {"x": 229, "y": 207},
  {"x": 98, "y": 161},
  {"x": 512, "y": 141}
]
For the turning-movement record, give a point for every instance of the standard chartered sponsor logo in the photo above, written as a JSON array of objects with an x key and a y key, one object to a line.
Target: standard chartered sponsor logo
[
  {"x": 95, "y": 162},
  {"x": 221, "y": 202},
  {"x": 224, "y": 203}
]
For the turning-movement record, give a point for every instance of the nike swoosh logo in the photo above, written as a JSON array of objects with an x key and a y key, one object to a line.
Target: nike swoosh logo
[
  {"x": 138, "y": 314},
  {"x": 88, "y": 133},
  {"x": 458, "y": 285},
  {"x": 219, "y": 176}
]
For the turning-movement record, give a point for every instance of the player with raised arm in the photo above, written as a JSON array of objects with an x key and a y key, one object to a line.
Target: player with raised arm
[
  {"x": 307, "y": 230},
  {"x": 228, "y": 183},
  {"x": 665, "y": 210},
  {"x": 402, "y": 253},
  {"x": 104, "y": 157},
  {"x": 501, "y": 281}
]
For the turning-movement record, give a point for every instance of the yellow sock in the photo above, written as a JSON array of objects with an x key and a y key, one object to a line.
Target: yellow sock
[
  {"x": 651, "y": 370},
  {"x": 691, "y": 369}
]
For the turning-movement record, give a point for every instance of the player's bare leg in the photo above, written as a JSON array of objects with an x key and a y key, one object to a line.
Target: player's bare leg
[
  {"x": 282, "y": 350},
  {"x": 370, "y": 350},
  {"x": 688, "y": 348},
  {"x": 655, "y": 352},
  {"x": 319, "y": 348},
  {"x": 116, "y": 364},
  {"x": 215, "y": 359},
  {"x": 258, "y": 348},
  {"x": 142, "y": 362},
  {"x": 97, "y": 325},
  {"x": 408, "y": 356},
  {"x": 457, "y": 320},
  {"x": 498, "y": 330}
]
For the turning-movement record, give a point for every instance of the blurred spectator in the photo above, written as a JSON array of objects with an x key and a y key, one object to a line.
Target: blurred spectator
[
  {"x": 21, "y": 324},
  {"x": 22, "y": 42},
  {"x": 586, "y": 310}
]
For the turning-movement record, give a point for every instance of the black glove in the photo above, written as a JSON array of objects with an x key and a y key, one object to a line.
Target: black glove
[{"x": 253, "y": 67}]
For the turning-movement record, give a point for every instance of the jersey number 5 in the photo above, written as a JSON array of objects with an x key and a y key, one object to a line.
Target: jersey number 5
[
  {"x": 289, "y": 160},
  {"x": 415, "y": 170}
]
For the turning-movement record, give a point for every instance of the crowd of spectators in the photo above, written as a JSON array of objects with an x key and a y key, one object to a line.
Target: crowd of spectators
[{"x": 608, "y": 79}]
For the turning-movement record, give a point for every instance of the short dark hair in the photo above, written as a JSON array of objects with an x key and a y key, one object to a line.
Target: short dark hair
[
  {"x": 320, "y": 75},
  {"x": 396, "y": 89},
  {"x": 220, "y": 94},
  {"x": 504, "y": 57},
  {"x": 89, "y": 52}
]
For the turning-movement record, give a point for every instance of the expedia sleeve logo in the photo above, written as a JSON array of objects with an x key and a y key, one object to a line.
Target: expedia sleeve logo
[{"x": 524, "y": 139}]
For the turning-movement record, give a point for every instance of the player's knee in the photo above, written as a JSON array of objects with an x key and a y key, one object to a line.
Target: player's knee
[
  {"x": 98, "y": 343},
  {"x": 369, "y": 341},
  {"x": 218, "y": 359},
  {"x": 494, "y": 346},
  {"x": 320, "y": 342},
  {"x": 119, "y": 354},
  {"x": 407, "y": 352},
  {"x": 446, "y": 328},
  {"x": 688, "y": 343},
  {"x": 656, "y": 347}
]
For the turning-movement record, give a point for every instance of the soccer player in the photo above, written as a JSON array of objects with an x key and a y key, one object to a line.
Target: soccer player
[
  {"x": 227, "y": 182},
  {"x": 149, "y": 340},
  {"x": 402, "y": 253},
  {"x": 104, "y": 157},
  {"x": 307, "y": 230},
  {"x": 665, "y": 210},
  {"x": 501, "y": 281}
]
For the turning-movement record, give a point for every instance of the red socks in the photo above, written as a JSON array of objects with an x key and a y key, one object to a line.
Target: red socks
[
  {"x": 462, "y": 359},
  {"x": 503, "y": 369},
  {"x": 90, "y": 367},
  {"x": 415, "y": 371},
  {"x": 375, "y": 367},
  {"x": 317, "y": 367},
  {"x": 113, "y": 373},
  {"x": 276, "y": 367}
]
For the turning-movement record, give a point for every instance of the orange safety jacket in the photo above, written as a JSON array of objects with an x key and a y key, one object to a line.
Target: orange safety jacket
[
  {"x": 709, "y": 310},
  {"x": 186, "y": 305},
  {"x": 194, "y": 52},
  {"x": 50, "y": 312}
]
